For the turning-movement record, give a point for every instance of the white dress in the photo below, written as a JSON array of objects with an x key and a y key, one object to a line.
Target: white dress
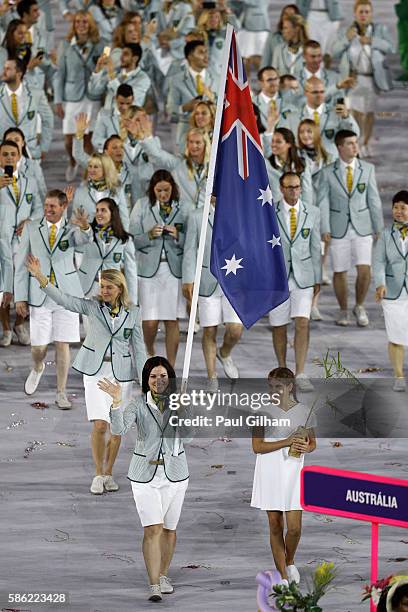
[{"x": 276, "y": 483}]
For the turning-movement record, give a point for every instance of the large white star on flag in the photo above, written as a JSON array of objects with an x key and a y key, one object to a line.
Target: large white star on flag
[
  {"x": 275, "y": 241},
  {"x": 266, "y": 196},
  {"x": 232, "y": 265}
]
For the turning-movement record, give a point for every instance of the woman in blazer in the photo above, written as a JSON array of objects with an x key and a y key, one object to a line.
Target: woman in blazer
[
  {"x": 285, "y": 158},
  {"x": 77, "y": 58},
  {"x": 101, "y": 181},
  {"x": 158, "y": 470},
  {"x": 158, "y": 225},
  {"x": 113, "y": 331},
  {"x": 112, "y": 248},
  {"x": 313, "y": 151},
  {"x": 390, "y": 267},
  {"x": 107, "y": 15},
  {"x": 362, "y": 48},
  {"x": 287, "y": 57},
  {"x": 275, "y": 38},
  {"x": 27, "y": 166}
]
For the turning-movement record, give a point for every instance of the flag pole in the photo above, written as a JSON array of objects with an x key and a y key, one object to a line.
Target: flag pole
[{"x": 206, "y": 207}]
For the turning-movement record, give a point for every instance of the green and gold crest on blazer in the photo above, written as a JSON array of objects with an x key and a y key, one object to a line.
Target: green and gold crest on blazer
[
  {"x": 127, "y": 333},
  {"x": 29, "y": 197},
  {"x": 361, "y": 187},
  {"x": 63, "y": 245},
  {"x": 305, "y": 232},
  {"x": 117, "y": 257},
  {"x": 30, "y": 114}
]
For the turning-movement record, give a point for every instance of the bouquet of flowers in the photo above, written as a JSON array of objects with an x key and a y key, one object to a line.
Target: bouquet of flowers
[
  {"x": 376, "y": 589},
  {"x": 290, "y": 599}
]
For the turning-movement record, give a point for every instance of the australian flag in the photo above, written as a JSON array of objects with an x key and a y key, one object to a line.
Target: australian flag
[{"x": 246, "y": 252}]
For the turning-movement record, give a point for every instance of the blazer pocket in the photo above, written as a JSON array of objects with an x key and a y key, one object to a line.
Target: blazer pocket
[
  {"x": 139, "y": 454},
  {"x": 180, "y": 453},
  {"x": 306, "y": 258},
  {"x": 87, "y": 348},
  {"x": 68, "y": 273},
  {"x": 335, "y": 210},
  {"x": 361, "y": 209},
  {"x": 126, "y": 356},
  {"x": 390, "y": 275}
]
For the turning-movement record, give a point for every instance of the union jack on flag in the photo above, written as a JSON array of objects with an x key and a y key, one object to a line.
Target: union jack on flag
[{"x": 246, "y": 253}]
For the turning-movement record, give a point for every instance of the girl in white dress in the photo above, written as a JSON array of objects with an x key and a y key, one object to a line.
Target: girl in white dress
[{"x": 276, "y": 486}]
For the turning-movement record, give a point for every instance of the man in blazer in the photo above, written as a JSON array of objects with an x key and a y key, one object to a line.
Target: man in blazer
[
  {"x": 105, "y": 79},
  {"x": 19, "y": 202},
  {"x": 214, "y": 307},
  {"x": 269, "y": 99},
  {"x": 313, "y": 66},
  {"x": 330, "y": 120},
  {"x": 194, "y": 82},
  {"x": 22, "y": 107},
  {"x": 53, "y": 240},
  {"x": 112, "y": 121},
  {"x": 299, "y": 228},
  {"x": 38, "y": 38},
  {"x": 351, "y": 216}
]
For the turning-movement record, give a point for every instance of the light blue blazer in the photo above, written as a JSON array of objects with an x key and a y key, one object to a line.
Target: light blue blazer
[
  {"x": 31, "y": 168},
  {"x": 100, "y": 85},
  {"x": 155, "y": 439},
  {"x": 71, "y": 81},
  {"x": 102, "y": 341},
  {"x": 32, "y": 106},
  {"x": 106, "y": 26},
  {"x": 281, "y": 102},
  {"x": 281, "y": 60},
  {"x": 254, "y": 15},
  {"x": 274, "y": 175},
  {"x": 192, "y": 188},
  {"x": 381, "y": 45},
  {"x": 332, "y": 7},
  {"x": 88, "y": 198},
  {"x": 329, "y": 78},
  {"x": 208, "y": 282},
  {"x": 182, "y": 90},
  {"x": 390, "y": 265},
  {"x": 274, "y": 39},
  {"x": 303, "y": 253},
  {"x": 361, "y": 208},
  {"x": 116, "y": 255},
  {"x": 148, "y": 252},
  {"x": 60, "y": 259},
  {"x": 29, "y": 206}
]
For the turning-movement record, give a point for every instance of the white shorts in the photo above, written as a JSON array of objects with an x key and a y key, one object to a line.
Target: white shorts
[
  {"x": 251, "y": 43},
  {"x": 159, "y": 501},
  {"x": 299, "y": 304},
  {"x": 350, "y": 250},
  {"x": 396, "y": 316},
  {"x": 98, "y": 402},
  {"x": 363, "y": 97},
  {"x": 52, "y": 323},
  {"x": 216, "y": 309},
  {"x": 160, "y": 296},
  {"x": 72, "y": 109}
]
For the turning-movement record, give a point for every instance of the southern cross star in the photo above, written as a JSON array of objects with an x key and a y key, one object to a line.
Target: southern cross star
[
  {"x": 266, "y": 196},
  {"x": 275, "y": 241},
  {"x": 232, "y": 265}
]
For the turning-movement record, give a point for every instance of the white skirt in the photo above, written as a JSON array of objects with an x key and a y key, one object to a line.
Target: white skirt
[
  {"x": 72, "y": 109},
  {"x": 277, "y": 481},
  {"x": 363, "y": 97},
  {"x": 98, "y": 402},
  {"x": 396, "y": 317},
  {"x": 322, "y": 29},
  {"x": 160, "y": 296},
  {"x": 251, "y": 43}
]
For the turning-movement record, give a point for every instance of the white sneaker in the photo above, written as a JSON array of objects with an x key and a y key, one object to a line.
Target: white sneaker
[
  {"x": 33, "y": 379},
  {"x": 165, "y": 585},
  {"x": 399, "y": 384},
  {"x": 154, "y": 592},
  {"x": 360, "y": 313},
  {"x": 22, "y": 334},
  {"x": 229, "y": 366},
  {"x": 293, "y": 574},
  {"x": 342, "y": 318},
  {"x": 62, "y": 401},
  {"x": 303, "y": 384},
  {"x": 326, "y": 280},
  {"x": 71, "y": 172},
  {"x": 109, "y": 483},
  {"x": 7, "y": 338},
  {"x": 97, "y": 485},
  {"x": 315, "y": 314}
]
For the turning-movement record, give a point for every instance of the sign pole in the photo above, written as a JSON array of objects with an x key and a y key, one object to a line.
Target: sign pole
[{"x": 374, "y": 560}]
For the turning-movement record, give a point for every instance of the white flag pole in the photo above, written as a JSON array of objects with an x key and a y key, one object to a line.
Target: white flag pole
[{"x": 206, "y": 210}]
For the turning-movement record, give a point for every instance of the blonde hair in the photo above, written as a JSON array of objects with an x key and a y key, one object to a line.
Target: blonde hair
[
  {"x": 358, "y": 3},
  {"x": 299, "y": 24},
  {"x": 118, "y": 279},
  {"x": 207, "y": 150},
  {"x": 110, "y": 173},
  {"x": 93, "y": 32},
  {"x": 317, "y": 140},
  {"x": 211, "y": 108},
  {"x": 202, "y": 22}
]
